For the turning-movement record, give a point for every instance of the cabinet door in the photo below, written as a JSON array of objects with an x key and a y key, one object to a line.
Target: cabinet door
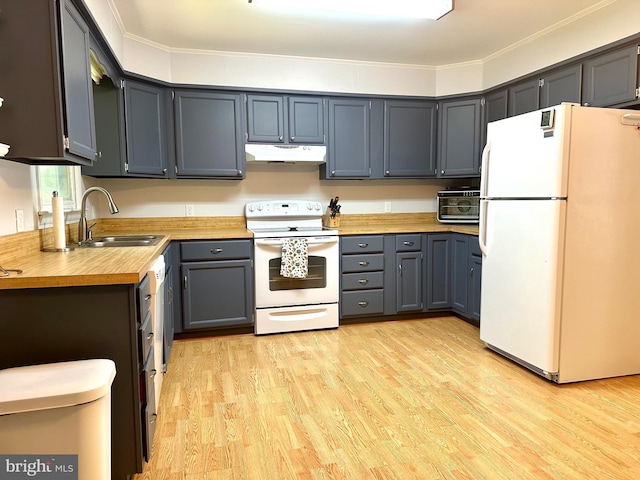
[
  {"x": 217, "y": 294},
  {"x": 459, "y": 132},
  {"x": 524, "y": 97},
  {"x": 475, "y": 284},
  {"x": 145, "y": 126},
  {"x": 438, "y": 278},
  {"x": 409, "y": 139},
  {"x": 77, "y": 83},
  {"x": 348, "y": 138},
  {"x": 495, "y": 108},
  {"x": 611, "y": 78},
  {"x": 561, "y": 86},
  {"x": 265, "y": 118},
  {"x": 409, "y": 282},
  {"x": 306, "y": 120},
  {"x": 209, "y": 134},
  {"x": 460, "y": 274}
]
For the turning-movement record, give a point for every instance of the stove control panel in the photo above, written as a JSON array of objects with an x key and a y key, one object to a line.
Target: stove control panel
[{"x": 283, "y": 208}]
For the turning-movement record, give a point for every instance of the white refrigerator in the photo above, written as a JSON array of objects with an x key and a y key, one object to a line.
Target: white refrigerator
[{"x": 559, "y": 232}]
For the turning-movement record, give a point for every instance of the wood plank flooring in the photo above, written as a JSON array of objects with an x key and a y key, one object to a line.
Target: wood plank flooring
[{"x": 411, "y": 399}]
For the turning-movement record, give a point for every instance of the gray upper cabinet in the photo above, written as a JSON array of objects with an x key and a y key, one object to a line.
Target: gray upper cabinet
[
  {"x": 209, "y": 134},
  {"x": 46, "y": 83},
  {"x": 561, "y": 86},
  {"x": 459, "y": 138},
  {"x": 524, "y": 97},
  {"x": 494, "y": 108},
  {"x": 146, "y": 130},
  {"x": 612, "y": 78},
  {"x": 409, "y": 138},
  {"x": 348, "y": 138},
  {"x": 285, "y": 119},
  {"x": 306, "y": 120}
]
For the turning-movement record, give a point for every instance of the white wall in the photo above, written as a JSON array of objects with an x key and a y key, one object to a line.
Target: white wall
[
  {"x": 15, "y": 193},
  {"x": 167, "y": 198}
]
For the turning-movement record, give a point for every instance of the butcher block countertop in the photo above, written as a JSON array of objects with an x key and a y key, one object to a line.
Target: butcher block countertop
[{"x": 129, "y": 265}]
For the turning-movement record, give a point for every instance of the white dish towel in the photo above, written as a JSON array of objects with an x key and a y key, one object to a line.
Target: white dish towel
[{"x": 295, "y": 258}]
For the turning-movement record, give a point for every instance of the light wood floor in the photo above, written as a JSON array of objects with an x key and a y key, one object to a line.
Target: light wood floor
[{"x": 413, "y": 399}]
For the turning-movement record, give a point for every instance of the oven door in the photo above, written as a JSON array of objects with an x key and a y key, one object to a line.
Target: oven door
[{"x": 320, "y": 285}]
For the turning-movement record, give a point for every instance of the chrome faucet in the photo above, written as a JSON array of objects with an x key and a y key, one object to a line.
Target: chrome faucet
[{"x": 84, "y": 231}]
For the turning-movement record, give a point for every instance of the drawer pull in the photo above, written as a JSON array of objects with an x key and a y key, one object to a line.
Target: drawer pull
[
  {"x": 408, "y": 244},
  {"x": 216, "y": 251},
  {"x": 363, "y": 281},
  {"x": 147, "y": 297},
  {"x": 363, "y": 245},
  {"x": 363, "y": 264},
  {"x": 363, "y": 304},
  {"x": 150, "y": 336},
  {"x": 153, "y": 373},
  {"x": 153, "y": 418}
]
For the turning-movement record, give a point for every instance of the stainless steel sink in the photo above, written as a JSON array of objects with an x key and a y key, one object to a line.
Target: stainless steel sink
[{"x": 123, "y": 241}]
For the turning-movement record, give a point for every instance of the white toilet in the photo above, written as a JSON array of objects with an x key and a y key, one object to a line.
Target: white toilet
[{"x": 59, "y": 409}]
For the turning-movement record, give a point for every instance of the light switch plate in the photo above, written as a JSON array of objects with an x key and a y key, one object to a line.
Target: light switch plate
[{"x": 19, "y": 220}]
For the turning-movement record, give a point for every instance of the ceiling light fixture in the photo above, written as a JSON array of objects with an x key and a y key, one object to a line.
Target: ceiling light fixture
[{"x": 425, "y": 9}]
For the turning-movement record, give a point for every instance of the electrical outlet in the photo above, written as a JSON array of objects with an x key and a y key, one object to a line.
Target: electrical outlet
[
  {"x": 189, "y": 210},
  {"x": 387, "y": 207},
  {"x": 19, "y": 220}
]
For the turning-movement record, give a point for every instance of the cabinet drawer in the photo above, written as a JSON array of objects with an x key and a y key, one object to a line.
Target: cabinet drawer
[
  {"x": 474, "y": 246},
  {"x": 215, "y": 250},
  {"x": 146, "y": 337},
  {"x": 409, "y": 243},
  {"x": 362, "y": 281},
  {"x": 368, "y": 302},
  {"x": 144, "y": 297},
  {"x": 362, "y": 263},
  {"x": 362, "y": 244}
]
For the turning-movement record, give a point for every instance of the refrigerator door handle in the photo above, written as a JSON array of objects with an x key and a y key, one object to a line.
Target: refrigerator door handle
[
  {"x": 482, "y": 233},
  {"x": 484, "y": 170}
]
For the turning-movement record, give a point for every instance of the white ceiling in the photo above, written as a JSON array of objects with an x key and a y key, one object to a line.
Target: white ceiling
[{"x": 475, "y": 30}]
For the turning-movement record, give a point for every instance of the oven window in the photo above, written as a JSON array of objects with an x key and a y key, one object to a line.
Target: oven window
[{"x": 316, "y": 278}]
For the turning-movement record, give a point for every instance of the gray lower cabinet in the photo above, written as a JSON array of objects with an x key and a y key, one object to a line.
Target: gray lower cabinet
[
  {"x": 612, "y": 78},
  {"x": 209, "y": 134},
  {"x": 146, "y": 130},
  {"x": 217, "y": 284},
  {"x": 459, "y": 130},
  {"x": 438, "y": 271},
  {"x": 74, "y": 323},
  {"x": 466, "y": 277},
  {"x": 409, "y": 138},
  {"x": 362, "y": 275},
  {"x": 409, "y": 273}
]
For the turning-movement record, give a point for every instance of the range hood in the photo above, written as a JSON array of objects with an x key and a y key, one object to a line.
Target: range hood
[{"x": 310, "y": 154}]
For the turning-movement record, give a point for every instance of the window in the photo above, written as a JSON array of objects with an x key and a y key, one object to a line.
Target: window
[{"x": 67, "y": 181}]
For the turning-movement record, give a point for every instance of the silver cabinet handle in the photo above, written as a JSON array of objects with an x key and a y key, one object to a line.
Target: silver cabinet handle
[
  {"x": 363, "y": 304},
  {"x": 363, "y": 245},
  {"x": 280, "y": 138},
  {"x": 150, "y": 336},
  {"x": 239, "y": 173},
  {"x": 387, "y": 173},
  {"x": 400, "y": 268},
  {"x": 215, "y": 251},
  {"x": 292, "y": 139},
  {"x": 408, "y": 244},
  {"x": 333, "y": 173},
  {"x": 363, "y": 264},
  {"x": 153, "y": 373},
  {"x": 363, "y": 281},
  {"x": 471, "y": 271},
  {"x": 442, "y": 172},
  {"x": 164, "y": 171},
  {"x": 147, "y": 297}
]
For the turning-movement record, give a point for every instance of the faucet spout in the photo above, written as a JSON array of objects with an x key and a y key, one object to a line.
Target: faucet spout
[{"x": 84, "y": 232}]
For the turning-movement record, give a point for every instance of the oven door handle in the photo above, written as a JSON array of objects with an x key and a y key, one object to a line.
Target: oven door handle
[{"x": 275, "y": 242}]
